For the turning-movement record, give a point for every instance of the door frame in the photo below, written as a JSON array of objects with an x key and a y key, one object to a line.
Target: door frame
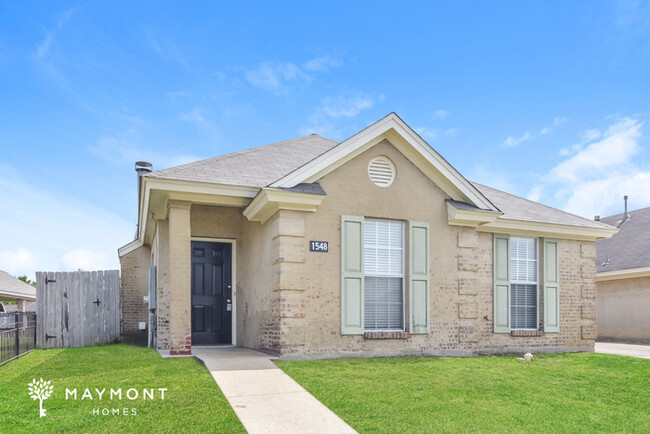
[{"x": 233, "y": 262}]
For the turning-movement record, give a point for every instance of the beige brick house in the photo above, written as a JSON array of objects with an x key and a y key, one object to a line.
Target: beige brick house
[{"x": 372, "y": 246}]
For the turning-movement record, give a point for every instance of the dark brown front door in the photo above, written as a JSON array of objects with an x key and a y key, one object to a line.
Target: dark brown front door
[{"x": 211, "y": 293}]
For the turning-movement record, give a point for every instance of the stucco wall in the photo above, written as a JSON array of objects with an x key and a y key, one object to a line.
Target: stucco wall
[
  {"x": 624, "y": 310},
  {"x": 460, "y": 274},
  {"x": 134, "y": 286}
]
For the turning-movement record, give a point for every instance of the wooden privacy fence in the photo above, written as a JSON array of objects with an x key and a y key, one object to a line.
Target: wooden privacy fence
[{"x": 77, "y": 309}]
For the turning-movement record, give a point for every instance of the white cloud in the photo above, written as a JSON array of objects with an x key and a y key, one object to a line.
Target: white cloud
[
  {"x": 428, "y": 133},
  {"x": 39, "y": 227},
  {"x": 322, "y": 64},
  {"x": 332, "y": 108},
  {"x": 126, "y": 147},
  {"x": 85, "y": 259},
  {"x": 167, "y": 49},
  {"x": 560, "y": 120},
  {"x": 347, "y": 107},
  {"x": 43, "y": 48},
  {"x": 441, "y": 114},
  {"x": 433, "y": 133},
  {"x": 615, "y": 149},
  {"x": 513, "y": 141},
  {"x": 281, "y": 77},
  {"x": 594, "y": 180},
  {"x": 18, "y": 262}
]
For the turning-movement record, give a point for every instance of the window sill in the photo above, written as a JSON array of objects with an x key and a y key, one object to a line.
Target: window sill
[
  {"x": 526, "y": 333},
  {"x": 386, "y": 335}
]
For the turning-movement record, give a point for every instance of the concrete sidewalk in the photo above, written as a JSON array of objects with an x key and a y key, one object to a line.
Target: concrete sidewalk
[
  {"x": 265, "y": 399},
  {"x": 642, "y": 351}
]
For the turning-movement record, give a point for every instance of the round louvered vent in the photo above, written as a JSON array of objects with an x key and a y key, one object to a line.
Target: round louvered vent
[{"x": 381, "y": 171}]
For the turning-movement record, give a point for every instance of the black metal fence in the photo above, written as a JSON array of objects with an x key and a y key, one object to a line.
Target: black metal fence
[{"x": 17, "y": 334}]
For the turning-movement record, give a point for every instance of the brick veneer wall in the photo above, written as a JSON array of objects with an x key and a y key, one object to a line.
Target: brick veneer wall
[{"x": 134, "y": 286}]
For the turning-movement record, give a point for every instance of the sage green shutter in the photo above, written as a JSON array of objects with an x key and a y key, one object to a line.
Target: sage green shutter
[
  {"x": 419, "y": 277},
  {"x": 551, "y": 287},
  {"x": 351, "y": 275},
  {"x": 501, "y": 283}
]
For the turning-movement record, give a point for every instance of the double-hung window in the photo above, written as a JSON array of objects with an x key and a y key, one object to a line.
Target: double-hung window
[
  {"x": 524, "y": 283},
  {"x": 383, "y": 259}
]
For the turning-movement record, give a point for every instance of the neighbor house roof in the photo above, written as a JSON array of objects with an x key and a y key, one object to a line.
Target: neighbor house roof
[
  {"x": 630, "y": 247},
  {"x": 14, "y": 289},
  {"x": 260, "y": 167}
]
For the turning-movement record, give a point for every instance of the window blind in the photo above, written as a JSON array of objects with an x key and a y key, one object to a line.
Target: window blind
[
  {"x": 384, "y": 275},
  {"x": 523, "y": 278}
]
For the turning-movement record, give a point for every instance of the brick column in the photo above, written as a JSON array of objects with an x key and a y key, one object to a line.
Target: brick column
[
  {"x": 289, "y": 248},
  {"x": 180, "y": 327},
  {"x": 467, "y": 244},
  {"x": 588, "y": 292},
  {"x": 21, "y": 306}
]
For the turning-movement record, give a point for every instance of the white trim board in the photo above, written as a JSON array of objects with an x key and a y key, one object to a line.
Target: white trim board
[{"x": 630, "y": 273}]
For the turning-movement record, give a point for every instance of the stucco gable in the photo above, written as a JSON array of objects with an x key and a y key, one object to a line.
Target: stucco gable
[{"x": 409, "y": 143}]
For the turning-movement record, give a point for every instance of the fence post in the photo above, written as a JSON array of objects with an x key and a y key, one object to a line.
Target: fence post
[{"x": 17, "y": 336}]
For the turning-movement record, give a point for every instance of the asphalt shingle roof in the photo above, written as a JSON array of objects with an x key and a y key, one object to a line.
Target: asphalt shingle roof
[
  {"x": 256, "y": 167},
  {"x": 630, "y": 247},
  {"x": 11, "y": 288},
  {"x": 260, "y": 167},
  {"x": 517, "y": 208}
]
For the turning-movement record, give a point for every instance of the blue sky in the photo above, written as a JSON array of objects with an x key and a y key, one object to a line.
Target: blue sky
[{"x": 547, "y": 100}]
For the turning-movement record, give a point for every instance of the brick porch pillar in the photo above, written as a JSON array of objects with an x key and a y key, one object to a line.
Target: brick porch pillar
[
  {"x": 21, "y": 306},
  {"x": 180, "y": 326}
]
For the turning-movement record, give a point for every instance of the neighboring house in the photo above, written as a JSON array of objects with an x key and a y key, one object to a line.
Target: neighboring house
[
  {"x": 12, "y": 289},
  {"x": 623, "y": 279},
  {"x": 29, "y": 306},
  {"x": 372, "y": 246}
]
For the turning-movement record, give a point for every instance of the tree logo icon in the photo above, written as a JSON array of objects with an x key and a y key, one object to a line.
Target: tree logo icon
[{"x": 40, "y": 390}]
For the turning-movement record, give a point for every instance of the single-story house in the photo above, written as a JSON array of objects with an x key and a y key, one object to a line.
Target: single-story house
[
  {"x": 12, "y": 289},
  {"x": 623, "y": 279},
  {"x": 373, "y": 246}
]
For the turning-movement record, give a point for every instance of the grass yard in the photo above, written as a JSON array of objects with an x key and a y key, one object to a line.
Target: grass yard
[
  {"x": 554, "y": 393},
  {"x": 193, "y": 401}
]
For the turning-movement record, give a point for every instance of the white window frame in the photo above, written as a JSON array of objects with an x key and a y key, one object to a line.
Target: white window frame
[
  {"x": 402, "y": 276},
  {"x": 522, "y": 282}
]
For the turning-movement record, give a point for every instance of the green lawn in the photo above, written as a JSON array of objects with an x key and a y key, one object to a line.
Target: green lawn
[
  {"x": 554, "y": 393},
  {"x": 193, "y": 401}
]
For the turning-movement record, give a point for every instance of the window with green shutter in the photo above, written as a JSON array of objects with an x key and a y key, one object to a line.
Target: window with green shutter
[
  {"x": 373, "y": 275},
  {"x": 523, "y": 284},
  {"x": 517, "y": 284}
]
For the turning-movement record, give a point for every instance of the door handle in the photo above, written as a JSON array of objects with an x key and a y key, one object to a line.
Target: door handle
[{"x": 228, "y": 305}]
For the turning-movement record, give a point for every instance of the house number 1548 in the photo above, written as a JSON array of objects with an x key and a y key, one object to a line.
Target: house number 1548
[{"x": 318, "y": 246}]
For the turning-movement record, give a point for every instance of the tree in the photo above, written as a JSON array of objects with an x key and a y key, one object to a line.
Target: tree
[{"x": 27, "y": 281}]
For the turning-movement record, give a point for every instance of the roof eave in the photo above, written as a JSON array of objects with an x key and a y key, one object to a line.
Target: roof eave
[
  {"x": 546, "y": 229},
  {"x": 630, "y": 273}
]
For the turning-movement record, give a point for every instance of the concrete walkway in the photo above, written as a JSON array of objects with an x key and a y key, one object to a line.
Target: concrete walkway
[
  {"x": 265, "y": 399},
  {"x": 642, "y": 351}
]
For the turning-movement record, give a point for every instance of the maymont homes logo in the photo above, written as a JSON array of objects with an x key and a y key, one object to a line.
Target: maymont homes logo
[{"x": 40, "y": 390}]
